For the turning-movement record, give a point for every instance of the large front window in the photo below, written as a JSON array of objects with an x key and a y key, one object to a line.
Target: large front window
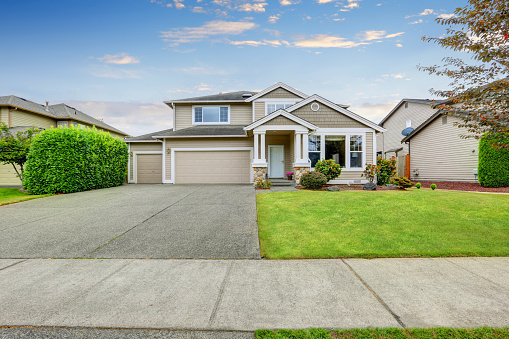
[
  {"x": 346, "y": 150},
  {"x": 211, "y": 114}
]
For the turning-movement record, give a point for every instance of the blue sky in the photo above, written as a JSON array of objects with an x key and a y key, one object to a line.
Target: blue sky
[{"x": 120, "y": 59}]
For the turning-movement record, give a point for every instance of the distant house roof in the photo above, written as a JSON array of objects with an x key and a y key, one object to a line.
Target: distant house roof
[
  {"x": 202, "y": 131},
  {"x": 417, "y": 101},
  {"x": 238, "y": 96},
  {"x": 58, "y": 112}
]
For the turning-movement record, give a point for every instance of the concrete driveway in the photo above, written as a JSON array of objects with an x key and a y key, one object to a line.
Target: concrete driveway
[{"x": 135, "y": 221}]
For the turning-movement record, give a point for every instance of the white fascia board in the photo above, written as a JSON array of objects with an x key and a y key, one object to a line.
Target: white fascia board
[
  {"x": 296, "y": 128},
  {"x": 128, "y": 142},
  {"x": 200, "y": 136},
  {"x": 280, "y": 112},
  {"x": 273, "y": 87},
  {"x": 316, "y": 97},
  {"x": 202, "y": 101}
]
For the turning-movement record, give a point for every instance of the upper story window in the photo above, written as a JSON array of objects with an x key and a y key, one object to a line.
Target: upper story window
[
  {"x": 211, "y": 114},
  {"x": 274, "y": 106},
  {"x": 409, "y": 123}
]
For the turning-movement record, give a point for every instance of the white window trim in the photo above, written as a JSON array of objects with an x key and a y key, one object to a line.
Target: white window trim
[
  {"x": 278, "y": 101},
  {"x": 210, "y": 123},
  {"x": 210, "y": 149},
  {"x": 347, "y": 145},
  {"x": 135, "y": 163}
]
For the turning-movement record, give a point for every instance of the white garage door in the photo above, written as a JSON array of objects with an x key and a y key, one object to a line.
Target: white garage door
[
  {"x": 212, "y": 167},
  {"x": 149, "y": 168}
]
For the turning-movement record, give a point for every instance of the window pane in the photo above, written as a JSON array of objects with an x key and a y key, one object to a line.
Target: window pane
[
  {"x": 288, "y": 105},
  {"x": 314, "y": 143},
  {"x": 356, "y": 143},
  {"x": 198, "y": 117},
  {"x": 210, "y": 114},
  {"x": 314, "y": 157},
  {"x": 280, "y": 106},
  {"x": 224, "y": 114},
  {"x": 355, "y": 159},
  {"x": 335, "y": 149},
  {"x": 271, "y": 108}
]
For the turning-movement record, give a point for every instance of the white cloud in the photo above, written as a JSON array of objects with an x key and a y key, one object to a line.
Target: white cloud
[
  {"x": 394, "y": 76},
  {"x": 445, "y": 16},
  {"x": 288, "y": 2},
  {"x": 253, "y": 43},
  {"x": 339, "y": 19},
  {"x": 352, "y": 5},
  {"x": 427, "y": 11},
  {"x": 327, "y": 41},
  {"x": 198, "y": 9},
  {"x": 388, "y": 36},
  {"x": 114, "y": 73},
  {"x": 324, "y": 1},
  {"x": 119, "y": 59},
  {"x": 415, "y": 22},
  {"x": 379, "y": 4},
  {"x": 257, "y": 7},
  {"x": 399, "y": 45},
  {"x": 179, "y": 4},
  {"x": 377, "y": 35},
  {"x": 177, "y": 36},
  {"x": 125, "y": 116},
  {"x": 274, "y": 18},
  {"x": 203, "y": 87},
  {"x": 373, "y": 111}
]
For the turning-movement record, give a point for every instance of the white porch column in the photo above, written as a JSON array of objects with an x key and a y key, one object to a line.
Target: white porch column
[
  {"x": 256, "y": 152},
  {"x": 305, "y": 144},
  {"x": 298, "y": 153},
  {"x": 262, "y": 147}
]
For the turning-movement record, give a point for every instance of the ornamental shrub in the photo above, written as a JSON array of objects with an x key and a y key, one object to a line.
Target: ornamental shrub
[
  {"x": 329, "y": 168},
  {"x": 260, "y": 183},
  {"x": 313, "y": 180},
  {"x": 66, "y": 160},
  {"x": 403, "y": 182},
  {"x": 433, "y": 186},
  {"x": 493, "y": 167},
  {"x": 418, "y": 185},
  {"x": 386, "y": 170}
]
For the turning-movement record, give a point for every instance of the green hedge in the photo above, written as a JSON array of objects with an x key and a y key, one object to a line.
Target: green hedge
[
  {"x": 66, "y": 160},
  {"x": 493, "y": 170}
]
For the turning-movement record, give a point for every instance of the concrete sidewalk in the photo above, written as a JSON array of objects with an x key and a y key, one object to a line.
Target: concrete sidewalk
[{"x": 245, "y": 295}]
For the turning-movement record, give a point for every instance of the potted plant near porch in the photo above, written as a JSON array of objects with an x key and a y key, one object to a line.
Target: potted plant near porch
[{"x": 289, "y": 175}]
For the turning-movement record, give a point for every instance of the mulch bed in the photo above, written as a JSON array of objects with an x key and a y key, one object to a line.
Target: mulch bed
[{"x": 445, "y": 185}]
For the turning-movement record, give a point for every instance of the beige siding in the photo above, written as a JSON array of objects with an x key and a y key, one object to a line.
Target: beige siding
[
  {"x": 240, "y": 114},
  {"x": 326, "y": 117},
  {"x": 259, "y": 109},
  {"x": 280, "y": 93},
  {"x": 4, "y": 115},
  {"x": 396, "y": 123},
  {"x": 350, "y": 175},
  {"x": 149, "y": 169},
  {"x": 203, "y": 143},
  {"x": 281, "y": 120},
  {"x": 369, "y": 148},
  {"x": 146, "y": 146},
  {"x": 8, "y": 175},
  {"x": 24, "y": 118},
  {"x": 284, "y": 140},
  {"x": 213, "y": 167},
  {"x": 441, "y": 155}
]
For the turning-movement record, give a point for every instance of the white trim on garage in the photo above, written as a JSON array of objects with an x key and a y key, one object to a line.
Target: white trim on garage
[
  {"x": 211, "y": 149},
  {"x": 135, "y": 161}
]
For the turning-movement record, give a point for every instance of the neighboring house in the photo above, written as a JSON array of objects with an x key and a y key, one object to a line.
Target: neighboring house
[
  {"x": 241, "y": 136},
  {"x": 19, "y": 113},
  {"x": 438, "y": 153}
]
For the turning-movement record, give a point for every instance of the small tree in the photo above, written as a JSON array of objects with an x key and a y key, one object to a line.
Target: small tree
[
  {"x": 14, "y": 147},
  {"x": 329, "y": 168},
  {"x": 386, "y": 170}
]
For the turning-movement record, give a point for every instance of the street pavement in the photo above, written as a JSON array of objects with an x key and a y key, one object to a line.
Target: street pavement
[{"x": 245, "y": 295}]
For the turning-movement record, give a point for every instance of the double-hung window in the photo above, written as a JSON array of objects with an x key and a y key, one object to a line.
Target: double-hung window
[
  {"x": 347, "y": 150},
  {"x": 211, "y": 114},
  {"x": 274, "y": 106},
  {"x": 314, "y": 149}
]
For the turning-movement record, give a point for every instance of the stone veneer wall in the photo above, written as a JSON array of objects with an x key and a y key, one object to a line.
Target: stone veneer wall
[
  {"x": 259, "y": 172},
  {"x": 299, "y": 171}
]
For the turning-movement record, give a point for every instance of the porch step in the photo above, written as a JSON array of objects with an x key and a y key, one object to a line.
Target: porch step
[{"x": 282, "y": 182}]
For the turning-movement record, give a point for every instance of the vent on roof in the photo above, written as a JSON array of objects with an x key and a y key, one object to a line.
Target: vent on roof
[{"x": 247, "y": 95}]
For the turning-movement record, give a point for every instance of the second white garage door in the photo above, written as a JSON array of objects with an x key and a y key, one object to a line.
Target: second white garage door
[{"x": 212, "y": 167}]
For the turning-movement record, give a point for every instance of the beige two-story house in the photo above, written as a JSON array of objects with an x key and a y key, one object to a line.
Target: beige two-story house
[
  {"x": 240, "y": 136},
  {"x": 18, "y": 114}
]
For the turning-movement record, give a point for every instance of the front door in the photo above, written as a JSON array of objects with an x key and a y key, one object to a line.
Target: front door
[{"x": 276, "y": 161}]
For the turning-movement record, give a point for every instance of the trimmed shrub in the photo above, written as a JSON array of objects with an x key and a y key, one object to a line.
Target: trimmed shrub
[
  {"x": 66, "y": 160},
  {"x": 403, "y": 182},
  {"x": 418, "y": 185},
  {"x": 433, "y": 186},
  {"x": 493, "y": 168},
  {"x": 260, "y": 183},
  {"x": 329, "y": 168},
  {"x": 313, "y": 180},
  {"x": 386, "y": 170}
]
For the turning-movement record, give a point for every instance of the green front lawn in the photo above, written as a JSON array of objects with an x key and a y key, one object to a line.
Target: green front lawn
[
  {"x": 413, "y": 223},
  {"x": 12, "y": 195},
  {"x": 388, "y": 333}
]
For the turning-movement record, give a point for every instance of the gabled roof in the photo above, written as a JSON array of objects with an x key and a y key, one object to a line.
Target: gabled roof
[
  {"x": 350, "y": 114},
  {"x": 202, "y": 131},
  {"x": 220, "y": 97},
  {"x": 58, "y": 112},
  {"x": 421, "y": 126},
  {"x": 276, "y": 86},
  {"x": 280, "y": 112},
  {"x": 417, "y": 101}
]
